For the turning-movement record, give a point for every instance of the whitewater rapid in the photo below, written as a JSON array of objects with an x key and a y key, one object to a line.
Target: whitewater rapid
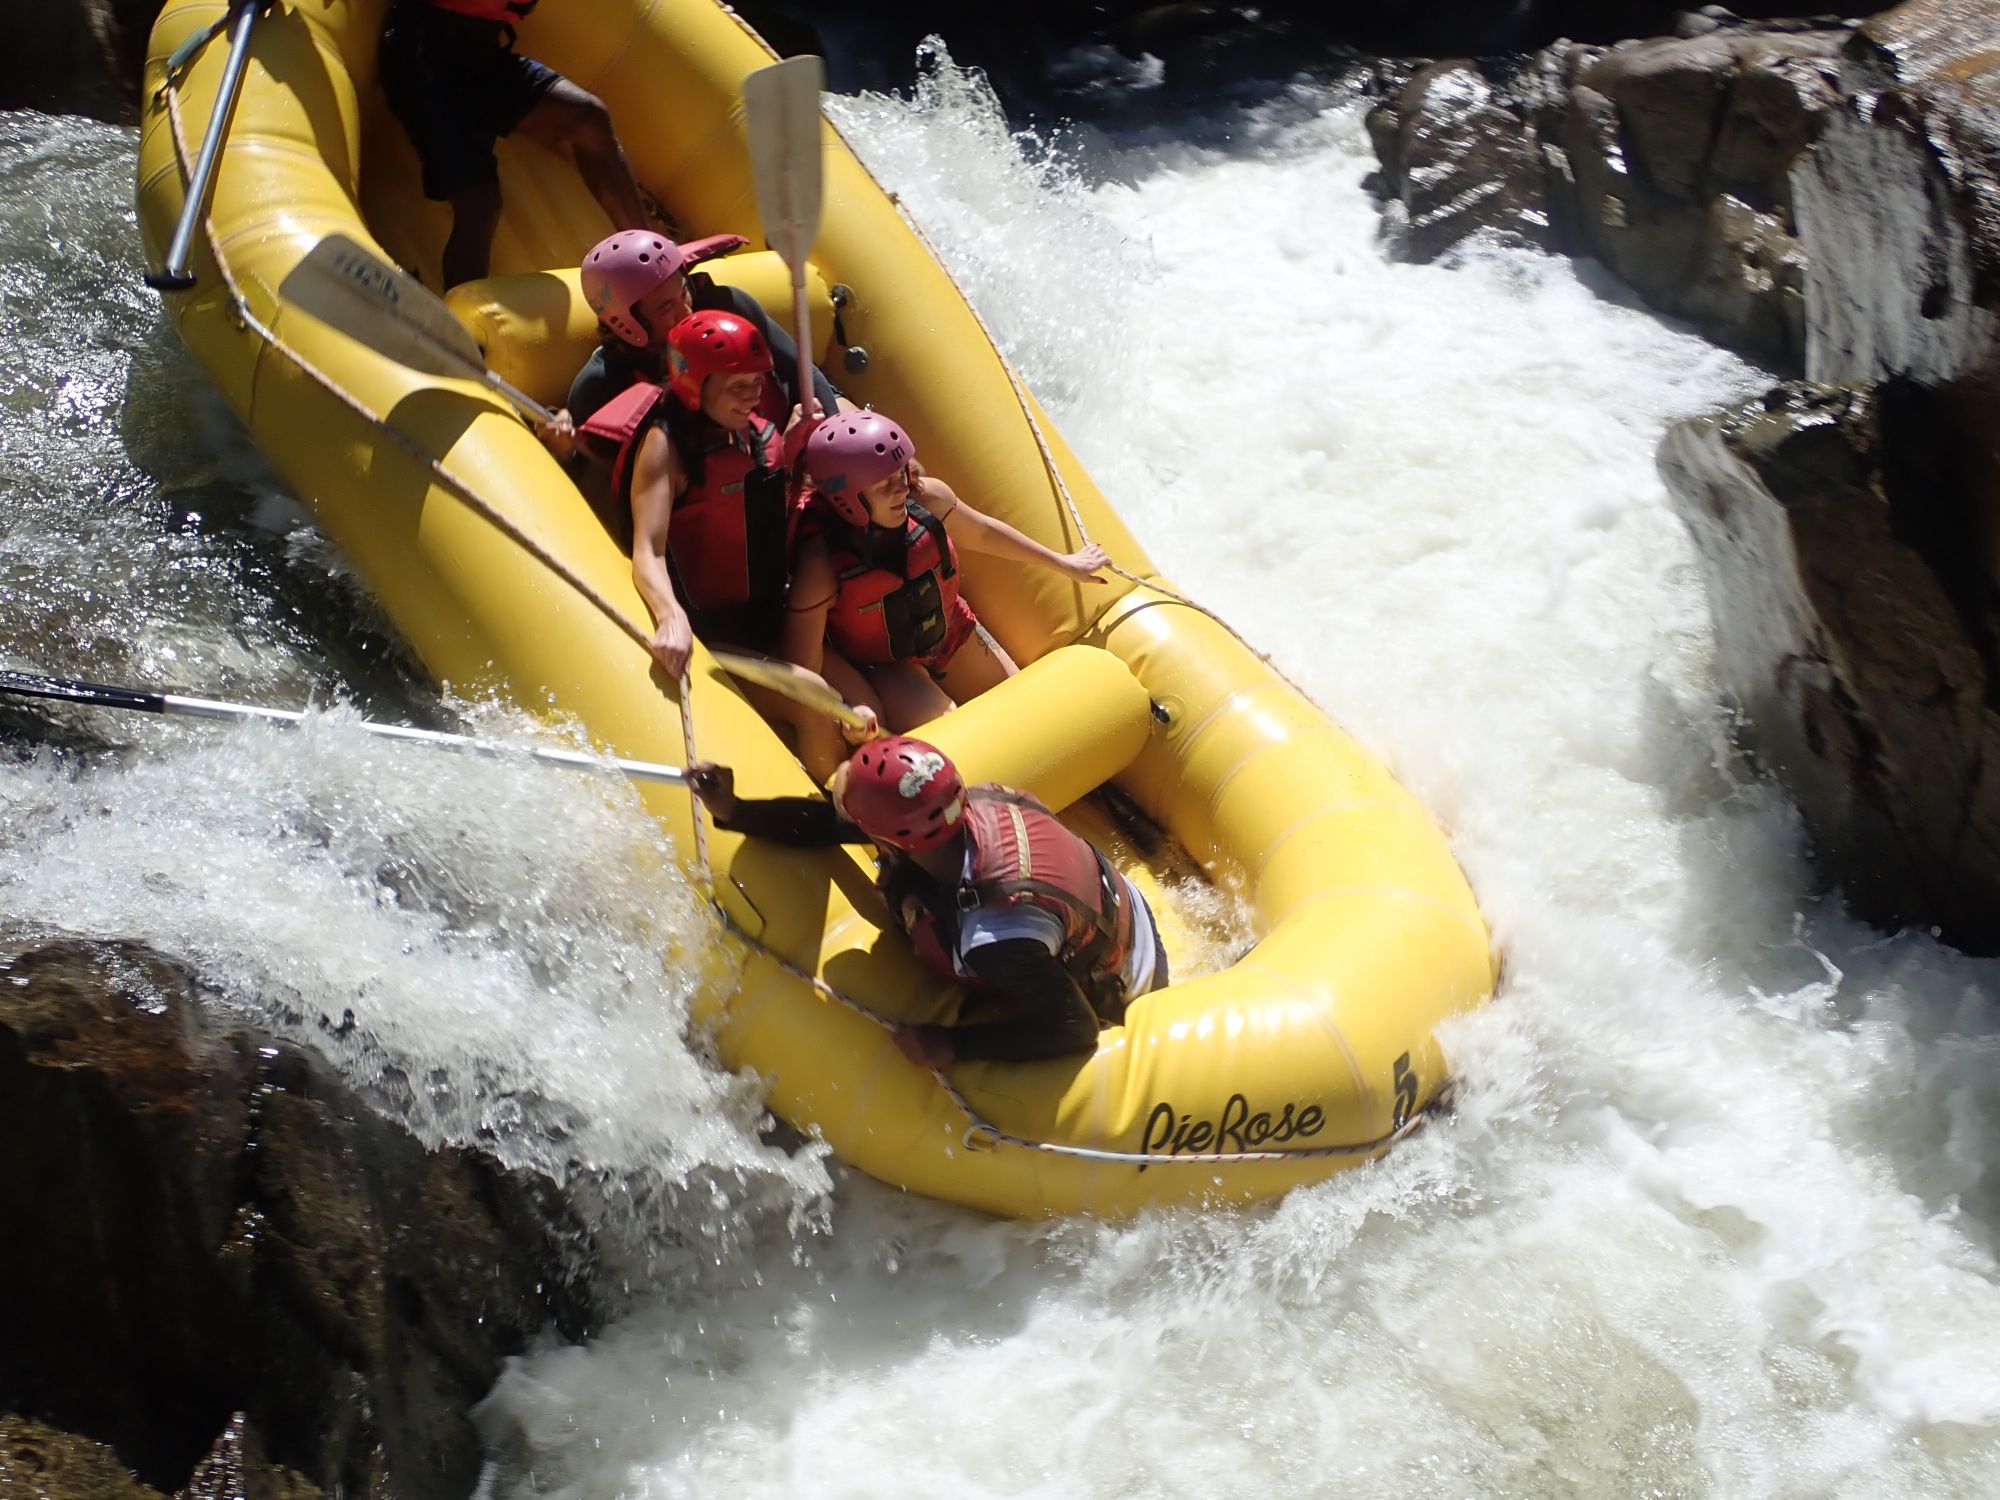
[{"x": 1716, "y": 1214}]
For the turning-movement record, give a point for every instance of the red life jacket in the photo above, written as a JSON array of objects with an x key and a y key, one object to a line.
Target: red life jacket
[
  {"x": 730, "y": 540},
  {"x": 503, "y": 12},
  {"x": 884, "y": 613},
  {"x": 1023, "y": 855}
]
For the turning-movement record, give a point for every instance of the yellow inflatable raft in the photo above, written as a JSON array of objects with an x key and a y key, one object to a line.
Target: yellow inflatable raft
[{"x": 1314, "y": 1049}]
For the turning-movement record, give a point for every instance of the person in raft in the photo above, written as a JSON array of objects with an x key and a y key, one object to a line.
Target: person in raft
[
  {"x": 641, "y": 284},
  {"x": 875, "y": 573},
  {"x": 451, "y": 75},
  {"x": 710, "y": 498},
  {"x": 1050, "y": 941}
]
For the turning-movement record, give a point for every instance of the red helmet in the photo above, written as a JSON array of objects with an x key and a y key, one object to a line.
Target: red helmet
[
  {"x": 712, "y": 343},
  {"x": 903, "y": 793}
]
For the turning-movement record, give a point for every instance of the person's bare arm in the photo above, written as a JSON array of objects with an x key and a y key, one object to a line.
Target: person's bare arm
[
  {"x": 977, "y": 532},
  {"x": 657, "y": 482}
]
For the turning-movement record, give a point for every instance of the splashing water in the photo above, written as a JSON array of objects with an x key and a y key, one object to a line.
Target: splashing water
[
  {"x": 1717, "y": 1213},
  {"x": 498, "y": 955}
]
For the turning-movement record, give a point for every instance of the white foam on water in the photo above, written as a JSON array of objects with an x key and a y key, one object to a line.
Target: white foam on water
[
  {"x": 498, "y": 953},
  {"x": 1716, "y": 1214}
]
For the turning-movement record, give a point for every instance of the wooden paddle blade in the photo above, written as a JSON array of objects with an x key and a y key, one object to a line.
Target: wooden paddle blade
[
  {"x": 349, "y": 286},
  {"x": 781, "y": 112},
  {"x": 789, "y": 680}
]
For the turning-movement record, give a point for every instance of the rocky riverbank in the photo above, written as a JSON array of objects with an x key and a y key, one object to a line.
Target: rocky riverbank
[
  {"x": 1824, "y": 196},
  {"x": 225, "y": 1274}
]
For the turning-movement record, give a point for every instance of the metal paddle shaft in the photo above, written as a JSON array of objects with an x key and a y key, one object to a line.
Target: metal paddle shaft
[
  {"x": 349, "y": 287},
  {"x": 174, "y": 275},
  {"x": 99, "y": 695},
  {"x": 781, "y": 113}
]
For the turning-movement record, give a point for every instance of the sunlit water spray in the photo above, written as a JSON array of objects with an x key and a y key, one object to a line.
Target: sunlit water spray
[
  {"x": 1716, "y": 1214},
  {"x": 498, "y": 954}
]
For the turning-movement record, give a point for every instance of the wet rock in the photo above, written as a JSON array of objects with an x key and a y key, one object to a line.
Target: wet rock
[
  {"x": 39, "y": 1460},
  {"x": 1850, "y": 529},
  {"x": 1462, "y": 160},
  {"x": 1856, "y": 626},
  {"x": 1669, "y": 160},
  {"x": 1901, "y": 201},
  {"x": 204, "y": 1222},
  {"x": 48, "y": 1464},
  {"x": 88, "y": 56}
]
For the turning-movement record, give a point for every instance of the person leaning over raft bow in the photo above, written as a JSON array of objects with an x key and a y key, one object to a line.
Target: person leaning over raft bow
[
  {"x": 452, "y": 77},
  {"x": 992, "y": 889},
  {"x": 640, "y": 285},
  {"x": 875, "y": 573}
]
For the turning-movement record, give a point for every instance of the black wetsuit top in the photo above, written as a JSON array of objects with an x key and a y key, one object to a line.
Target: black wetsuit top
[{"x": 1044, "y": 1011}]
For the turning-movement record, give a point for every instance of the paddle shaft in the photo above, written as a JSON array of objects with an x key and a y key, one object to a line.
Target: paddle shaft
[
  {"x": 174, "y": 275},
  {"x": 789, "y": 680},
  {"x": 521, "y": 399},
  {"x": 802, "y": 333},
  {"x": 781, "y": 111},
  {"x": 100, "y": 695}
]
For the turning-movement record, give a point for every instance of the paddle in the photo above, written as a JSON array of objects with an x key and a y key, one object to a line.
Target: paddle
[
  {"x": 97, "y": 695},
  {"x": 781, "y": 113},
  {"x": 792, "y": 681},
  {"x": 351, "y": 288},
  {"x": 174, "y": 275}
]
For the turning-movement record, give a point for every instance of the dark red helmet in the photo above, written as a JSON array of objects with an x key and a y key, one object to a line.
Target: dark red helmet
[
  {"x": 903, "y": 793},
  {"x": 712, "y": 343}
]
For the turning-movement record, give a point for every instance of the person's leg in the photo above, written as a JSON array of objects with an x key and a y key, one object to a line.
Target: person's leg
[
  {"x": 443, "y": 93},
  {"x": 566, "y": 116},
  {"x": 909, "y": 698},
  {"x": 978, "y": 665},
  {"x": 475, "y": 214}
]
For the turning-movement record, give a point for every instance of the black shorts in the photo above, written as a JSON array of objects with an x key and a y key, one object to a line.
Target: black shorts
[{"x": 457, "y": 85}]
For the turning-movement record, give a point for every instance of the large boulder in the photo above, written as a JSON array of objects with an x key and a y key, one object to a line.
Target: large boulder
[
  {"x": 215, "y": 1254},
  {"x": 1667, "y": 159},
  {"x": 1458, "y": 157},
  {"x": 1901, "y": 201},
  {"x": 1848, "y": 528},
  {"x": 1857, "y": 635}
]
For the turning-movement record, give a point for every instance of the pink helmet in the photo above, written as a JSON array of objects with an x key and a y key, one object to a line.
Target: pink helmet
[
  {"x": 904, "y": 792},
  {"x": 621, "y": 272},
  {"x": 850, "y": 451}
]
